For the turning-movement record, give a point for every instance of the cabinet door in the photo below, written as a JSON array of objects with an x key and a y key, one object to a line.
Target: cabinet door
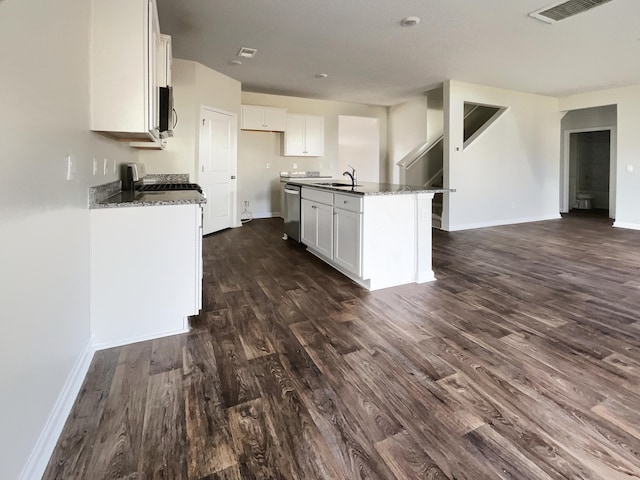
[
  {"x": 294, "y": 135},
  {"x": 324, "y": 244},
  {"x": 164, "y": 61},
  {"x": 309, "y": 223},
  {"x": 198, "y": 260},
  {"x": 347, "y": 240},
  {"x": 275, "y": 119},
  {"x": 314, "y": 136},
  {"x": 252, "y": 118}
]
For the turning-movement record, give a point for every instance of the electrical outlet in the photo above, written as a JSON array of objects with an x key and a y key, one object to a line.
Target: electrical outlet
[
  {"x": 105, "y": 166},
  {"x": 95, "y": 166},
  {"x": 295, "y": 166},
  {"x": 71, "y": 169},
  {"x": 268, "y": 165}
]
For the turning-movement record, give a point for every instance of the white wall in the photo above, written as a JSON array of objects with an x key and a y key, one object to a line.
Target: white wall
[
  {"x": 407, "y": 130},
  {"x": 261, "y": 185},
  {"x": 510, "y": 174},
  {"x": 359, "y": 147},
  {"x": 193, "y": 85},
  {"x": 44, "y": 221},
  {"x": 627, "y": 101},
  {"x": 627, "y": 194}
]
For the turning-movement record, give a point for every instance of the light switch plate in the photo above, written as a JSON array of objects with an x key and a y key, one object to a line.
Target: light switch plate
[{"x": 70, "y": 168}]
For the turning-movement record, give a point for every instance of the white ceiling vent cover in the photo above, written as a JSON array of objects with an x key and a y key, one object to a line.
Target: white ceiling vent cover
[
  {"x": 247, "y": 52},
  {"x": 562, "y": 10}
]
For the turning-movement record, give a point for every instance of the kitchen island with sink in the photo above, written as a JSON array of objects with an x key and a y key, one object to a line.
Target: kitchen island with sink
[{"x": 379, "y": 235}]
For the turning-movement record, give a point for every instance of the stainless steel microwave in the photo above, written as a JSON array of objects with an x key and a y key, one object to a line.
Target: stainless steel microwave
[{"x": 168, "y": 117}]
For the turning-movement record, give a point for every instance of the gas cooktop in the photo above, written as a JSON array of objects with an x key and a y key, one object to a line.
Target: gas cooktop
[{"x": 168, "y": 187}]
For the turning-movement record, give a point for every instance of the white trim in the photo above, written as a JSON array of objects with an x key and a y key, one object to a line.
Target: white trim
[
  {"x": 566, "y": 162},
  {"x": 470, "y": 226},
  {"x": 631, "y": 226},
  {"x": 141, "y": 338},
  {"x": 234, "y": 221},
  {"x": 41, "y": 453},
  {"x": 267, "y": 215}
]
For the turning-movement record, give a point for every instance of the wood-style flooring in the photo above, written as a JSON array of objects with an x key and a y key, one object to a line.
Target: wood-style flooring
[{"x": 522, "y": 361}]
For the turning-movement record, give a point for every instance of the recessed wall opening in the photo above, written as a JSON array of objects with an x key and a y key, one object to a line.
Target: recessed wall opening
[
  {"x": 590, "y": 163},
  {"x": 477, "y": 118}
]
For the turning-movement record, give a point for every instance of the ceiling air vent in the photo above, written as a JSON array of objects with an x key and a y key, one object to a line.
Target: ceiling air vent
[
  {"x": 562, "y": 10},
  {"x": 247, "y": 52}
]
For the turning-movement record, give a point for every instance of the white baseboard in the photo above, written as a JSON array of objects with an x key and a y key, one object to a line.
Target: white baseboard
[
  {"x": 41, "y": 453},
  {"x": 142, "y": 338},
  {"x": 497, "y": 223},
  {"x": 631, "y": 226},
  {"x": 267, "y": 215}
]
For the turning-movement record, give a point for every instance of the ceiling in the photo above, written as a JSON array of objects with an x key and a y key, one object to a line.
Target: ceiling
[{"x": 370, "y": 58}]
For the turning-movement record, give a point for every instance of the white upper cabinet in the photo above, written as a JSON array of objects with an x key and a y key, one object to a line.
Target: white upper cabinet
[
  {"x": 304, "y": 136},
  {"x": 269, "y": 119},
  {"x": 129, "y": 63}
]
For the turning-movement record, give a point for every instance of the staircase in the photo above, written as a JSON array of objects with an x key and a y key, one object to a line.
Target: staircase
[{"x": 424, "y": 165}]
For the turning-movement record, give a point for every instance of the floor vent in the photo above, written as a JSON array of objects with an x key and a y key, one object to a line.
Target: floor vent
[{"x": 560, "y": 11}]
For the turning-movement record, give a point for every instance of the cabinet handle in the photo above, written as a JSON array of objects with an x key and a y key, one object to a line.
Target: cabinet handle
[{"x": 233, "y": 177}]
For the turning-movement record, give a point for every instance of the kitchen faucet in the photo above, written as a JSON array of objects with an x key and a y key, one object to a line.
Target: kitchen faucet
[{"x": 353, "y": 175}]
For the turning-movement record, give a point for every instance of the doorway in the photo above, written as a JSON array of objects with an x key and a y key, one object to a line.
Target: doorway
[
  {"x": 217, "y": 168},
  {"x": 589, "y": 168}
]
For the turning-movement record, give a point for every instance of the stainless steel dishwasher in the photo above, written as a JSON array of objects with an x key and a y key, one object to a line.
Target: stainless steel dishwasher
[{"x": 292, "y": 211}]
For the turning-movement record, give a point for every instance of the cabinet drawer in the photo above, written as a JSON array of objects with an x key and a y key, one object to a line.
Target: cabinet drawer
[
  {"x": 316, "y": 195},
  {"x": 352, "y": 203}
]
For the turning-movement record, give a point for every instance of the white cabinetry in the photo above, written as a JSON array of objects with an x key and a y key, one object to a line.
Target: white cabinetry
[
  {"x": 347, "y": 231},
  {"x": 304, "y": 136},
  {"x": 146, "y": 272},
  {"x": 164, "y": 59},
  {"x": 317, "y": 221},
  {"x": 263, "y": 118},
  {"x": 378, "y": 241},
  {"x": 125, "y": 45}
]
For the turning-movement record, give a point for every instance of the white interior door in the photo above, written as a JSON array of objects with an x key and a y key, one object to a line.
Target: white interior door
[{"x": 217, "y": 168}]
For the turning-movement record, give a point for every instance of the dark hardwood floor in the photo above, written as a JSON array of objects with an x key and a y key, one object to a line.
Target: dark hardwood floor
[{"x": 522, "y": 361}]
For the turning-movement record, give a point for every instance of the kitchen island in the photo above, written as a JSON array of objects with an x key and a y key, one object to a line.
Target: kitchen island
[{"x": 379, "y": 235}]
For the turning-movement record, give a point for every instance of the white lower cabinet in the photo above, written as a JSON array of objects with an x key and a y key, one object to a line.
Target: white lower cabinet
[
  {"x": 146, "y": 272},
  {"x": 378, "y": 241},
  {"x": 332, "y": 227},
  {"x": 317, "y": 227},
  {"x": 347, "y": 244}
]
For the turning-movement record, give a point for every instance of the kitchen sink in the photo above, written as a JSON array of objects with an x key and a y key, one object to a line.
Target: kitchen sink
[{"x": 335, "y": 184}]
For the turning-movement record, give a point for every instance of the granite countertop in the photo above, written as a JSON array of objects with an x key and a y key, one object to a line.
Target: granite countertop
[
  {"x": 110, "y": 195},
  {"x": 302, "y": 174},
  {"x": 150, "y": 199},
  {"x": 369, "y": 188}
]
